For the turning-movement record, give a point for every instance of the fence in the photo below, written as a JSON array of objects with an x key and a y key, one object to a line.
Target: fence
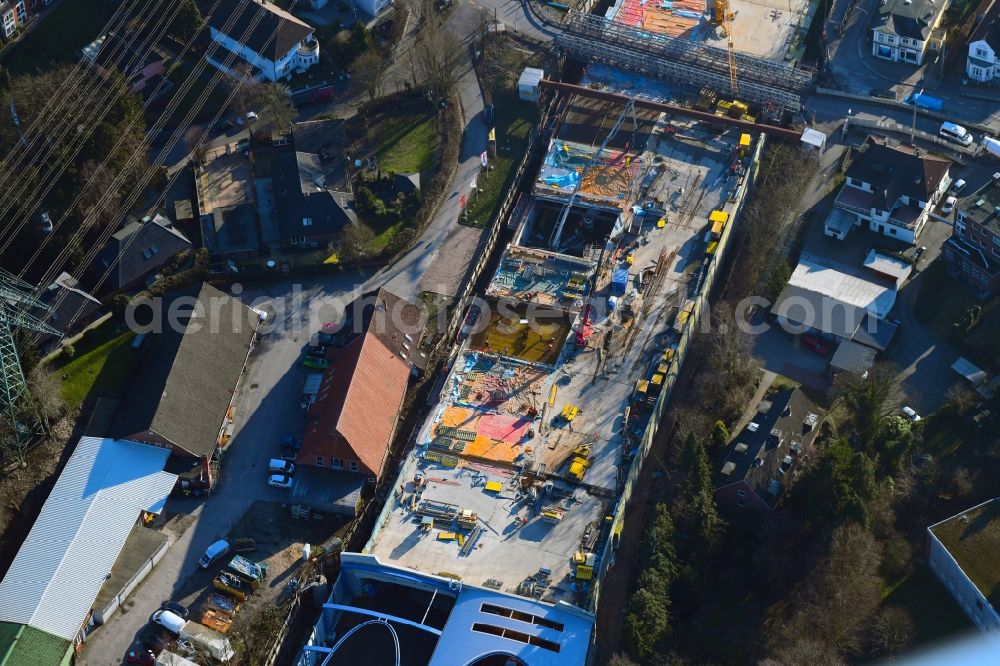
[
  {"x": 733, "y": 206},
  {"x": 535, "y": 144}
]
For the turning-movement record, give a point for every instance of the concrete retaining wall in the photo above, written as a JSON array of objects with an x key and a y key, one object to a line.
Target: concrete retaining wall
[{"x": 734, "y": 207}]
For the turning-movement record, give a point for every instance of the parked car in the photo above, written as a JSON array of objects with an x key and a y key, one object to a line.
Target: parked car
[
  {"x": 279, "y": 481},
  {"x": 169, "y": 621},
  {"x": 288, "y": 453},
  {"x": 488, "y": 114},
  {"x": 909, "y": 413},
  {"x": 958, "y": 186},
  {"x": 177, "y": 609},
  {"x": 813, "y": 343},
  {"x": 919, "y": 252},
  {"x": 882, "y": 93},
  {"x": 292, "y": 442},
  {"x": 213, "y": 552},
  {"x": 317, "y": 363},
  {"x": 281, "y": 466},
  {"x": 949, "y": 206}
]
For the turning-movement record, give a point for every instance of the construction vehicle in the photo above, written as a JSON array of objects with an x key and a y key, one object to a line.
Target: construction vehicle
[
  {"x": 552, "y": 514},
  {"x": 580, "y": 462},
  {"x": 584, "y": 563}
]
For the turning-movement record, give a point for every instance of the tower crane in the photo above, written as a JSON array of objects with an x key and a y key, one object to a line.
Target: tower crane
[
  {"x": 724, "y": 17},
  {"x": 15, "y": 400}
]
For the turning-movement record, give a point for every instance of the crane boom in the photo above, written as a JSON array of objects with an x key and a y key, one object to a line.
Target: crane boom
[{"x": 557, "y": 232}]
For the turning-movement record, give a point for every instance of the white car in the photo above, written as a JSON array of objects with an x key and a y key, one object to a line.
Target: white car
[
  {"x": 279, "y": 481},
  {"x": 949, "y": 205},
  {"x": 910, "y": 414}
]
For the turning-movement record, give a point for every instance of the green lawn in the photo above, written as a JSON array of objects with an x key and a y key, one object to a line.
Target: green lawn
[
  {"x": 943, "y": 301},
  {"x": 406, "y": 143},
  {"x": 70, "y": 26},
  {"x": 935, "y": 613},
  {"x": 514, "y": 119},
  {"x": 103, "y": 364}
]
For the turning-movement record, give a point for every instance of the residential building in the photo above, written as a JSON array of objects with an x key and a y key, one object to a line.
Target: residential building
[
  {"x": 309, "y": 215},
  {"x": 377, "y": 611},
  {"x": 109, "y": 52},
  {"x": 13, "y": 15},
  {"x": 263, "y": 36},
  {"x": 762, "y": 459},
  {"x": 963, "y": 552},
  {"x": 351, "y": 425},
  {"x": 227, "y": 204},
  {"x": 188, "y": 374},
  {"x": 837, "y": 303},
  {"x": 906, "y": 30},
  {"x": 891, "y": 189},
  {"x": 982, "y": 63},
  {"x": 372, "y": 7},
  {"x": 135, "y": 254},
  {"x": 973, "y": 251},
  {"x": 71, "y": 309},
  {"x": 107, "y": 487}
]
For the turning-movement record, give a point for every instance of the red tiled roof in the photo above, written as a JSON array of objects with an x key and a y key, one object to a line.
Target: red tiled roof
[{"x": 355, "y": 412}]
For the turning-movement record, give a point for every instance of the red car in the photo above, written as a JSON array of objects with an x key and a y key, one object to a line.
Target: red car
[{"x": 815, "y": 344}]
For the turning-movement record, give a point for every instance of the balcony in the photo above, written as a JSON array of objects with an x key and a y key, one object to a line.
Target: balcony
[{"x": 308, "y": 48}]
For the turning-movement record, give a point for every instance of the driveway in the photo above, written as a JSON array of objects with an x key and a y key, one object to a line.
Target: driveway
[{"x": 267, "y": 408}]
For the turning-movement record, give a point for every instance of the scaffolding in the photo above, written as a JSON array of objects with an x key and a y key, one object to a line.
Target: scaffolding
[{"x": 594, "y": 38}]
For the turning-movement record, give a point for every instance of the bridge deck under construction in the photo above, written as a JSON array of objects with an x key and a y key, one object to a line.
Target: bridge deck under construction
[{"x": 591, "y": 38}]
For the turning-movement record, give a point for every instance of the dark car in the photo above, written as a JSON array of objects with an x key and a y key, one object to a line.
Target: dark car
[
  {"x": 488, "y": 115},
  {"x": 289, "y": 453},
  {"x": 882, "y": 93},
  {"x": 815, "y": 344},
  {"x": 291, "y": 442},
  {"x": 177, "y": 609}
]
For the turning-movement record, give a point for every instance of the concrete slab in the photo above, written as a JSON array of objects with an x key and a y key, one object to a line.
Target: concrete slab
[{"x": 772, "y": 29}]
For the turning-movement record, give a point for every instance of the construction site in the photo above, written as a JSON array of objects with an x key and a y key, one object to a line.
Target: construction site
[
  {"x": 772, "y": 29},
  {"x": 519, "y": 477}
]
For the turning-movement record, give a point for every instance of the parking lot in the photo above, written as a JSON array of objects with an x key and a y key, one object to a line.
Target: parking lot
[{"x": 267, "y": 408}]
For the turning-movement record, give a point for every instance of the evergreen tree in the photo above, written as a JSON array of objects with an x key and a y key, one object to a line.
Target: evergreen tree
[
  {"x": 720, "y": 435},
  {"x": 694, "y": 465},
  {"x": 647, "y": 623}
]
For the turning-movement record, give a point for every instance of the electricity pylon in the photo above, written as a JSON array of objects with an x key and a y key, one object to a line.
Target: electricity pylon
[{"x": 21, "y": 421}]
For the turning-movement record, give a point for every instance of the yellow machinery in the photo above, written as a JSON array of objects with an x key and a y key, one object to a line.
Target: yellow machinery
[
  {"x": 580, "y": 463},
  {"x": 552, "y": 514},
  {"x": 584, "y": 565}
]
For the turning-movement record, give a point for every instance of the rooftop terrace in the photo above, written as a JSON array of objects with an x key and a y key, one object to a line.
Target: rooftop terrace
[{"x": 973, "y": 539}]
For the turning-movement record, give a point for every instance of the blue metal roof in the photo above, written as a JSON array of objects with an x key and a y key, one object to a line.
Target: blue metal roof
[
  {"x": 57, "y": 573},
  {"x": 462, "y": 643}
]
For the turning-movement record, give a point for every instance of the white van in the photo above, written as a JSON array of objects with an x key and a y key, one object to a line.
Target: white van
[
  {"x": 282, "y": 466},
  {"x": 955, "y": 133},
  {"x": 169, "y": 621},
  {"x": 213, "y": 552}
]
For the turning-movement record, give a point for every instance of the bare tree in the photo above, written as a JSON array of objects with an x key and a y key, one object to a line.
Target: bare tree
[
  {"x": 100, "y": 196},
  {"x": 421, "y": 10},
  {"x": 842, "y": 594},
  {"x": 438, "y": 60},
  {"x": 46, "y": 391},
  {"x": 368, "y": 72},
  {"x": 892, "y": 631}
]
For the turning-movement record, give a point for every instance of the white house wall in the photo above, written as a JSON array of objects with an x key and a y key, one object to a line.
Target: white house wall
[{"x": 968, "y": 596}]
